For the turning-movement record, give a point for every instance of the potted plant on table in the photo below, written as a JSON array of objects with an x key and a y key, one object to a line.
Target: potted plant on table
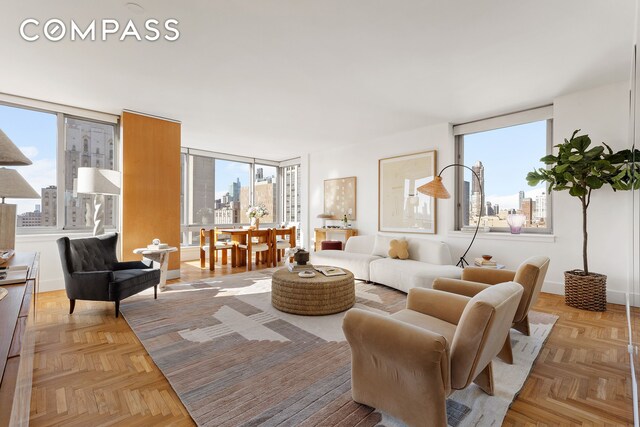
[
  {"x": 255, "y": 213},
  {"x": 581, "y": 168}
]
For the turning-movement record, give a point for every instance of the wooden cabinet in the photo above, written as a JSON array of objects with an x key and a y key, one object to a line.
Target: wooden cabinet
[
  {"x": 16, "y": 344},
  {"x": 321, "y": 234}
]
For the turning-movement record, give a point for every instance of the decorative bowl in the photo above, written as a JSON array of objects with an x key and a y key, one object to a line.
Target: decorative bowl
[{"x": 487, "y": 257}]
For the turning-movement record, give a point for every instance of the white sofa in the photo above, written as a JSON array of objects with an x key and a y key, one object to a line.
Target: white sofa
[{"x": 366, "y": 257}]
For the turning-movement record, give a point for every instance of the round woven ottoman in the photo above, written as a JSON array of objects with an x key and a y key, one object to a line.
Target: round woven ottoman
[{"x": 314, "y": 296}]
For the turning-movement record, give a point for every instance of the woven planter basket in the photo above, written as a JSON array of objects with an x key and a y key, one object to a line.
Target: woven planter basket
[{"x": 585, "y": 292}]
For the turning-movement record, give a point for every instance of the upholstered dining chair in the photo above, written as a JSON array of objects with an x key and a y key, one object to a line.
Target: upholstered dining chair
[
  {"x": 285, "y": 238},
  {"x": 406, "y": 364},
  {"x": 530, "y": 275},
  {"x": 211, "y": 239},
  {"x": 258, "y": 242}
]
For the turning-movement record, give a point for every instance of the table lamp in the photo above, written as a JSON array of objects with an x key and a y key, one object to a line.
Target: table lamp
[
  {"x": 10, "y": 155},
  {"x": 12, "y": 186},
  {"x": 436, "y": 189},
  {"x": 99, "y": 182}
]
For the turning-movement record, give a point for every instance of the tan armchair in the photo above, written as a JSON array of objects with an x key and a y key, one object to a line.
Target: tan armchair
[
  {"x": 530, "y": 274},
  {"x": 408, "y": 363}
]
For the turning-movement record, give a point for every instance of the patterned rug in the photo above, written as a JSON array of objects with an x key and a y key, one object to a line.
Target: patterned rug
[{"x": 234, "y": 360}]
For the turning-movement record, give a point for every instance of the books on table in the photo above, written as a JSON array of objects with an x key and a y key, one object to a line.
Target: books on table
[
  {"x": 293, "y": 267},
  {"x": 481, "y": 262},
  {"x": 14, "y": 274},
  {"x": 331, "y": 271}
]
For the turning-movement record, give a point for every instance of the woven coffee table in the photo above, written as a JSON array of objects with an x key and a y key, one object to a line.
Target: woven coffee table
[{"x": 313, "y": 296}]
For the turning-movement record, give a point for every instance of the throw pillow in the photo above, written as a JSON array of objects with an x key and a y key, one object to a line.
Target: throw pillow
[
  {"x": 381, "y": 245},
  {"x": 399, "y": 248}
]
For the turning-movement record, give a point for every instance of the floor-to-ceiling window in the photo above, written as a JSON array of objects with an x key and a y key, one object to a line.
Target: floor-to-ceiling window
[
  {"x": 217, "y": 190},
  {"x": 266, "y": 191}
]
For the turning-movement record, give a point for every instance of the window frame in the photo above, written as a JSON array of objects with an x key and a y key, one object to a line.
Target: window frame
[
  {"x": 494, "y": 123},
  {"x": 188, "y": 239},
  {"x": 61, "y": 112}
]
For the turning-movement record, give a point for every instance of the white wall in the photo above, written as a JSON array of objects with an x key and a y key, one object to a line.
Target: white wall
[
  {"x": 601, "y": 112},
  {"x": 51, "y": 278}
]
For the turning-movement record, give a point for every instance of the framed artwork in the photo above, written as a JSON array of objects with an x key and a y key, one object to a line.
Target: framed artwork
[
  {"x": 340, "y": 197},
  {"x": 400, "y": 207}
]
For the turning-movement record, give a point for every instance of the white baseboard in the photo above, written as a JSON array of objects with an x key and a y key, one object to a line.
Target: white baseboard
[
  {"x": 51, "y": 285},
  {"x": 613, "y": 296}
]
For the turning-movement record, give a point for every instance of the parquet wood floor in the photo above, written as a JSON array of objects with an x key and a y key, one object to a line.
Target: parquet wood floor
[{"x": 91, "y": 370}]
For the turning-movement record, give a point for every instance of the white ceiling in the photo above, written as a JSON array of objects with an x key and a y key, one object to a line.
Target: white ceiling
[{"x": 258, "y": 77}]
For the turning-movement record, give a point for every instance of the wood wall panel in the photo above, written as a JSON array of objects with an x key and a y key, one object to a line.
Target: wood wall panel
[{"x": 151, "y": 184}]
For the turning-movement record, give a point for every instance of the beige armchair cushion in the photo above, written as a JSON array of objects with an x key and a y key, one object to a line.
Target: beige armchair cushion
[
  {"x": 530, "y": 274},
  {"x": 482, "y": 330}
]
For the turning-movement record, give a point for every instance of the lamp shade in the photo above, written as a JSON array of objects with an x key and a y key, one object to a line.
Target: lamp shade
[
  {"x": 435, "y": 189},
  {"x": 14, "y": 186},
  {"x": 10, "y": 155},
  {"x": 98, "y": 181}
]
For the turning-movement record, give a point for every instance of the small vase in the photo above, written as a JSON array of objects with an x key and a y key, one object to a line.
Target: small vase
[
  {"x": 516, "y": 221},
  {"x": 255, "y": 223}
]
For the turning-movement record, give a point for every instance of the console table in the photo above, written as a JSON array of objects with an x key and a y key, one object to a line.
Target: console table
[
  {"x": 321, "y": 234},
  {"x": 17, "y": 342}
]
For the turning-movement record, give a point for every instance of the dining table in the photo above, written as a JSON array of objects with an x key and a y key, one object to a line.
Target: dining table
[{"x": 239, "y": 237}]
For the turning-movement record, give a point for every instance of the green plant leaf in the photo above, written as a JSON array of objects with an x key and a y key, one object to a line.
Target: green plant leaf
[
  {"x": 594, "y": 152},
  {"x": 594, "y": 182},
  {"x": 577, "y": 191},
  {"x": 548, "y": 160},
  {"x": 576, "y": 157}
]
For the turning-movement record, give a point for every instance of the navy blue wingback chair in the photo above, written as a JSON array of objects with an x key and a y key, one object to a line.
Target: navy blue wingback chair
[{"x": 92, "y": 271}]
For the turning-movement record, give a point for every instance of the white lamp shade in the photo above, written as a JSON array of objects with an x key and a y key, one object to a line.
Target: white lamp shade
[
  {"x": 10, "y": 155},
  {"x": 14, "y": 186},
  {"x": 98, "y": 181}
]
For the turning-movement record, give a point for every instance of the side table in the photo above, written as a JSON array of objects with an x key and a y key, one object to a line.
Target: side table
[{"x": 160, "y": 258}]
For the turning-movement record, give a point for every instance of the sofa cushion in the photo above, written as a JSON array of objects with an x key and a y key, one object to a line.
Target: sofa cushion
[
  {"x": 129, "y": 282},
  {"x": 406, "y": 274},
  {"x": 381, "y": 245},
  {"x": 357, "y": 263},
  {"x": 429, "y": 251},
  {"x": 360, "y": 244},
  {"x": 399, "y": 248}
]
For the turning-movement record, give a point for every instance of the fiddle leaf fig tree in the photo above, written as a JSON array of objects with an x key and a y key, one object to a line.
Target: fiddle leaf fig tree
[{"x": 581, "y": 168}]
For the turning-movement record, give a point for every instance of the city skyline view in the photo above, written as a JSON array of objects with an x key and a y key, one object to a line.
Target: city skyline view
[{"x": 513, "y": 151}]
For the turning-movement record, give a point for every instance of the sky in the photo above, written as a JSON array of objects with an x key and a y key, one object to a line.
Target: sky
[
  {"x": 35, "y": 133},
  {"x": 227, "y": 172},
  {"x": 507, "y": 154}
]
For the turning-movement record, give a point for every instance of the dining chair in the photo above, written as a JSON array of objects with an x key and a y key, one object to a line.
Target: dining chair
[
  {"x": 210, "y": 242},
  {"x": 258, "y": 241},
  {"x": 285, "y": 238}
]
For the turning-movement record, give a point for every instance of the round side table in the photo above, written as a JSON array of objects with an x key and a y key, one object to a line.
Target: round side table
[{"x": 160, "y": 258}]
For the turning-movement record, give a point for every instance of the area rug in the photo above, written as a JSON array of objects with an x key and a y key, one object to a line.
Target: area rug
[{"x": 234, "y": 360}]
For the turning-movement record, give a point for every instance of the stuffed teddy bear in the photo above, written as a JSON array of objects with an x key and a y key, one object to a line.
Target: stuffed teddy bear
[{"x": 399, "y": 248}]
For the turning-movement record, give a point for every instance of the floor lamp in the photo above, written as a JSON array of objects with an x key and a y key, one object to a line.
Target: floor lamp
[
  {"x": 99, "y": 182},
  {"x": 436, "y": 189},
  {"x": 13, "y": 186}
]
